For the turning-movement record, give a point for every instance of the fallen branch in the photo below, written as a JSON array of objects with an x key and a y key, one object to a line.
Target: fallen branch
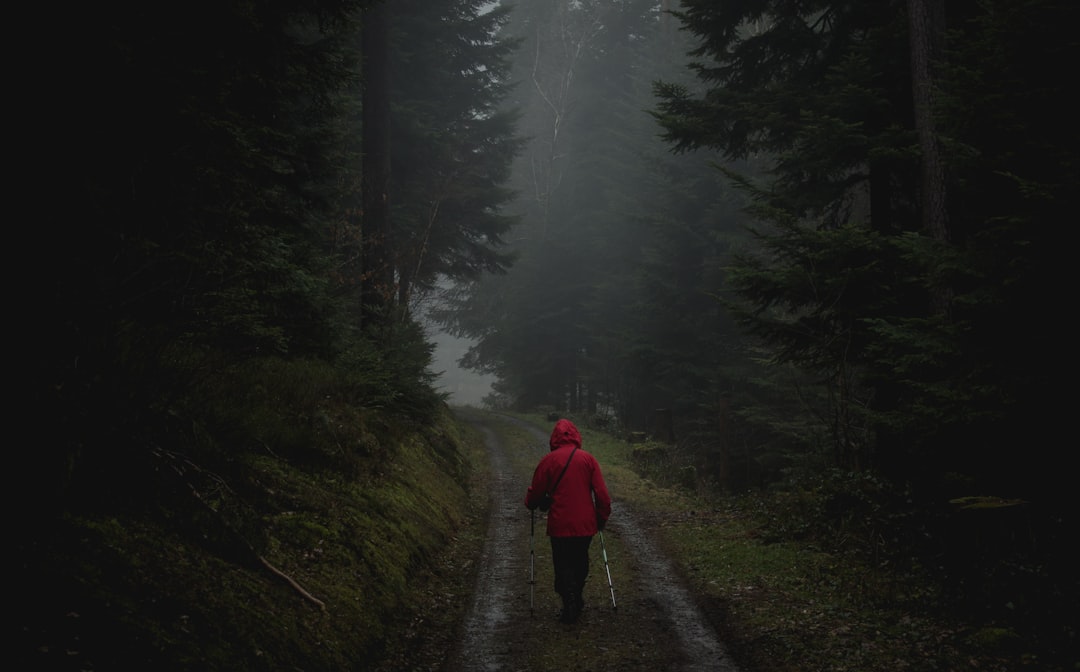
[
  {"x": 288, "y": 579},
  {"x": 176, "y": 463}
]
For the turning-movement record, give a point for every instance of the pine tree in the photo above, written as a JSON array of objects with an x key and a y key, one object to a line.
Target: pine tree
[
  {"x": 822, "y": 92},
  {"x": 849, "y": 282},
  {"x": 453, "y": 143}
]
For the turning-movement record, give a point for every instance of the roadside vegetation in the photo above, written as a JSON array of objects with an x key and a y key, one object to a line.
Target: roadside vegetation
[
  {"x": 822, "y": 574},
  {"x": 265, "y": 562},
  {"x": 285, "y": 528}
]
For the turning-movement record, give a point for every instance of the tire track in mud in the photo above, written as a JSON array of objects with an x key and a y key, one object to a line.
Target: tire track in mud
[
  {"x": 482, "y": 647},
  {"x": 658, "y": 625},
  {"x": 700, "y": 644}
]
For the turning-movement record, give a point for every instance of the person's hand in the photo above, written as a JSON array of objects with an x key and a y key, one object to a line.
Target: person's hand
[{"x": 600, "y": 523}]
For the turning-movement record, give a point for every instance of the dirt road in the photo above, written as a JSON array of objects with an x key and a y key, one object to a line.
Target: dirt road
[{"x": 512, "y": 625}]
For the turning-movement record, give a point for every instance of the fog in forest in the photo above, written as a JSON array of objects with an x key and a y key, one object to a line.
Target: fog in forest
[
  {"x": 462, "y": 387},
  {"x": 804, "y": 246}
]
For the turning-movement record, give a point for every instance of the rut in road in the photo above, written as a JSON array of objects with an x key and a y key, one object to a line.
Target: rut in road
[
  {"x": 657, "y": 626},
  {"x": 498, "y": 574}
]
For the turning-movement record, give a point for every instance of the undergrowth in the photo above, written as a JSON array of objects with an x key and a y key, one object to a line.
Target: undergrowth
[{"x": 271, "y": 523}]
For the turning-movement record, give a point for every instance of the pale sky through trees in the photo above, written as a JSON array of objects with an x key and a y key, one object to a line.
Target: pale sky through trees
[{"x": 465, "y": 388}]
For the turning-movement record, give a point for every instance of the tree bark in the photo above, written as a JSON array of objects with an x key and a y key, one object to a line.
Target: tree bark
[
  {"x": 376, "y": 287},
  {"x": 926, "y": 20}
]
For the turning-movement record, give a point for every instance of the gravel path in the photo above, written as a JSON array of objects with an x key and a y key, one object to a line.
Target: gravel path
[{"x": 657, "y": 625}]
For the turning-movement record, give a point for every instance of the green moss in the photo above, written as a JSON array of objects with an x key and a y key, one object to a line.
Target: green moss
[{"x": 179, "y": 582}]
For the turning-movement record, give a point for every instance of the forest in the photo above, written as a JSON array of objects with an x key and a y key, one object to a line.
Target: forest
[{"x": 810, "y": 245}]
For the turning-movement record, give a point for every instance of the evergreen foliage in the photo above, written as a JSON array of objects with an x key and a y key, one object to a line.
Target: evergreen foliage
[
  {"x": 453, "y": 143},
  {"x": 207, "y": 224},
  {"x": 846, "y": 284},
  {"x": 930, "y": 350}
]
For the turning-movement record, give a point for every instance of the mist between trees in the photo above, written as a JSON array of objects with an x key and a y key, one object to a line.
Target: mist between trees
[{"x": 817, "y": 236}]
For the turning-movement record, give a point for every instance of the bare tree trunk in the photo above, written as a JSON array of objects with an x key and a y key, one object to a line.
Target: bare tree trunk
[
  {"x": 664, "y": 425},
  {"x": 927, "y": 36},
  {"x": 927, "y": 18},
  {"x": 376, "y": 289},
  {"x": 559, "y": 49}
]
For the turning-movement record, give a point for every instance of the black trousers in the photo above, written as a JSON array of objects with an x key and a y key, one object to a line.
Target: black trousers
[{"x": 570, "y": 557}]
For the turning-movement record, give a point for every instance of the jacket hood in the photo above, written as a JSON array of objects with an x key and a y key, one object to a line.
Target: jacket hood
[{"x": 565, "y": 434}]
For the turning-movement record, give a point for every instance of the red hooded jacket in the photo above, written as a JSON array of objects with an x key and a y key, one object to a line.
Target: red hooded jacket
[{"x": 581, "y": 497}]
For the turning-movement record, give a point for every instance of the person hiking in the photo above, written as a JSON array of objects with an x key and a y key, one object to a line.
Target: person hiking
[{"x": 568, "y": 484}]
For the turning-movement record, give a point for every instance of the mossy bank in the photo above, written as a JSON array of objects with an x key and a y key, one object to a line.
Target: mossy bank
[{"x": 188, "y": 560}]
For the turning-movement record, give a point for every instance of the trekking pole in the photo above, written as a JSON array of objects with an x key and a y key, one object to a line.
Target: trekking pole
[
  {"x": 532, "y": 557},
  {"x": 603, "y": 549}
]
